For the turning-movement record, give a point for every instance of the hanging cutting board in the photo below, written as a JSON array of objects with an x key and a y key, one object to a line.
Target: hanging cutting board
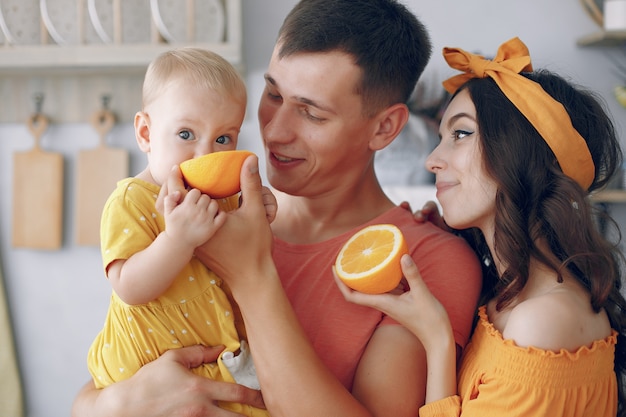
[
  {"x": 98, "y": 171},
  {"x": 37, "y": 193}
]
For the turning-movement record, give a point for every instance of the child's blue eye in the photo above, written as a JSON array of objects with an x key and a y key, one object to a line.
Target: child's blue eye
[
  {"x": 223, "y": 140},
  {"x": 186, "y": 135}
]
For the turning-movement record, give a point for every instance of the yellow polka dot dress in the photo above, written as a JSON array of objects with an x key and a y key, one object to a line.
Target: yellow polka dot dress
[{"x": 194, "y": 310}]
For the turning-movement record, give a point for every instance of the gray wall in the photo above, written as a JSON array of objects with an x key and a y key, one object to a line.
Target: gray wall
[{"x": 58, "y": 299}]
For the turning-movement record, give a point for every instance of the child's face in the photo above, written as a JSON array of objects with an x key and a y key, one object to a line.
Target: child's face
[{"x": 186, "y": 122}]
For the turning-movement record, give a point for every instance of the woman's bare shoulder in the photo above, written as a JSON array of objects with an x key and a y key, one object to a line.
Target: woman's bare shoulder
[{"x": 555, "y": 321}]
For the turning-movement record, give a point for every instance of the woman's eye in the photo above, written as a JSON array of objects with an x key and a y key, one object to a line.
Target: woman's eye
[
  {"x": 223, "y": 140},
  {"x": 186, "y": 135},
  {"x": 460, "y": 134}
]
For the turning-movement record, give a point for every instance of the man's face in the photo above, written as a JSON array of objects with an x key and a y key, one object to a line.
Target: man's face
[{"x": 312, "y": 124}]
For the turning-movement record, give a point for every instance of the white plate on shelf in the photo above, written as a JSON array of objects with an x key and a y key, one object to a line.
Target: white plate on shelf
[
  {"x": 170, "y": 17},
  {"x": 135, "y": 20},
  {"x": 61, "y": 21},
  {"x": 19, "y": 22}
]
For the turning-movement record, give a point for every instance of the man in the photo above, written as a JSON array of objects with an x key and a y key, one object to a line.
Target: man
[{"x": 336, "y": 88}]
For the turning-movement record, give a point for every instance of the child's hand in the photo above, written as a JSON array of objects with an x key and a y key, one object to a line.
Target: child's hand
[
  {"x": 173, "y": 189},
  {"x": 194, "y": 220},
  {"x": 270, "y": 203}
]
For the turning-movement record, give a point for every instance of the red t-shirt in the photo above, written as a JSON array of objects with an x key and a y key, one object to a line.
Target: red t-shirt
[{"x": 338, "y": 330}]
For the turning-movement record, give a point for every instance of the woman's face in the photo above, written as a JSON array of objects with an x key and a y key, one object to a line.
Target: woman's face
[{"x": 464, "y": 190}]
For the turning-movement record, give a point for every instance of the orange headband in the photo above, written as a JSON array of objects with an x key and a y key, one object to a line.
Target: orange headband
[{"x": 546, "y": 114}]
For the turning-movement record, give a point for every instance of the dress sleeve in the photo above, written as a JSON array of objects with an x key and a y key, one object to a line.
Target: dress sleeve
[
  {"x": 127, "y": 226},
  {"x": 446, "y": 407}
]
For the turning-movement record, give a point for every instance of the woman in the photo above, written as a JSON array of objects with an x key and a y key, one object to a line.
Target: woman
[{"x": 520, "y": 151}]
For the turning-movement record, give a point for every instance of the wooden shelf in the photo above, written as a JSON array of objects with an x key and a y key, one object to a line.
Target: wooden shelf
[
  {"x": 603, "y": 38},
  {"x": 117, "y": 57},
  {"x": 609, "y": 196},
  {"x": 95, "y": 58}
]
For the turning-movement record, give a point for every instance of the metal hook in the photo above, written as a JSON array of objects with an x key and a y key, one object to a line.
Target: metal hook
[
  {"x": 38, "y": 98},
  {"x": 106, "y": 98},
  {"x": 103, "y": 119},
  {"x": 37, "y": 123}
]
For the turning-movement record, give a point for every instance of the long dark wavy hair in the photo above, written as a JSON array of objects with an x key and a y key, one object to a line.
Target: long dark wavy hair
[{"x": 536, "y": 202}]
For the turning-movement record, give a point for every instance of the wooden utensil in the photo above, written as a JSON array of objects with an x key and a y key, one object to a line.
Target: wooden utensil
[
  {"x": 98, "y": 172},
  {"x": 37, "y": 193}
]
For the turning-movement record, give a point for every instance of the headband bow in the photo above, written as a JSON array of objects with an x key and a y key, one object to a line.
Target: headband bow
[{"x": 545, "y": 113}]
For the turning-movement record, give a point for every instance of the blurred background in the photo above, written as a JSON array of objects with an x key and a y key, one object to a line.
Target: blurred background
[{"x": 56, "y": 298}]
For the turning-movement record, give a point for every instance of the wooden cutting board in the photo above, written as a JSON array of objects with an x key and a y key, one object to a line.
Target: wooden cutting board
[
  {"x": 98, "y": 171},
  {"x": 37, "y": 193}
]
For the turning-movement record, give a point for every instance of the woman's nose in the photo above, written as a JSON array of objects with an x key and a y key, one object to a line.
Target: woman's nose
[{"x": 433, "y": 162}]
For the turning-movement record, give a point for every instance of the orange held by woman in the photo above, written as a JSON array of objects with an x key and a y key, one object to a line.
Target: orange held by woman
[{"x": 369, "y": 261}]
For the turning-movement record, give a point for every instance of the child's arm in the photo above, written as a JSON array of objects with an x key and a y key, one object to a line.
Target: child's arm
[{"x": 148, "y": 273}]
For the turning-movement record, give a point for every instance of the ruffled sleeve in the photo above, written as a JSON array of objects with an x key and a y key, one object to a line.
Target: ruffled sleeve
[
  {"x": 446, "y": 407},
  {"x": 499, "y": 378}
]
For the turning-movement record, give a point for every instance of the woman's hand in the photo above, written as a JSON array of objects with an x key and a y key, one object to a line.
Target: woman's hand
[
  {"x": 416, "y": 309},
  {"x": 420, "y": 312},
  {"x": 166, "y": 388},
  {"x": 430, "y": 213}
]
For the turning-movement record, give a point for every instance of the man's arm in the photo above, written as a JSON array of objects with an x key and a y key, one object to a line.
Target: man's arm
[
  {"x": 391, "y": 377},
  {"x": 294, "y": 380}
]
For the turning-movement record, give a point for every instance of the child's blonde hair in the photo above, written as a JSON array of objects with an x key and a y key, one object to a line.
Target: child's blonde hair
[{"x": 201, "y": 67}]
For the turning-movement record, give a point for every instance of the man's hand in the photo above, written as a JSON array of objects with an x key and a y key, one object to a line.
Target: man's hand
[
  {"x": 245, "y": 235},
  {"x": 166, "y": 387}
]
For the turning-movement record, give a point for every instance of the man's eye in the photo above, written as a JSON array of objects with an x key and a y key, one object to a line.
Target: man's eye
[
  {"x": 272, "y": 96},
  {"x": 186, "y": 135},
  {"x": 223, "y": 140}
]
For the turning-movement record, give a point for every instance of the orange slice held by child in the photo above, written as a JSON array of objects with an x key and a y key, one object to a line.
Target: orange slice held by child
[
  {"x": 369, "y": 261},
  {"x": 217, "y": 175}
]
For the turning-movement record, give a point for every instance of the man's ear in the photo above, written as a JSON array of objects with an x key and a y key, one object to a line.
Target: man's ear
[
  {"x": 391, "y": 122},
  {"x": 142, "y": 131}
]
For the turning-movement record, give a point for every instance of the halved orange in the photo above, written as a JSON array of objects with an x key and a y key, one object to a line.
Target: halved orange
[
  {"x": 369, "y": 261},
  {"x": 215, "y": 174}
]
